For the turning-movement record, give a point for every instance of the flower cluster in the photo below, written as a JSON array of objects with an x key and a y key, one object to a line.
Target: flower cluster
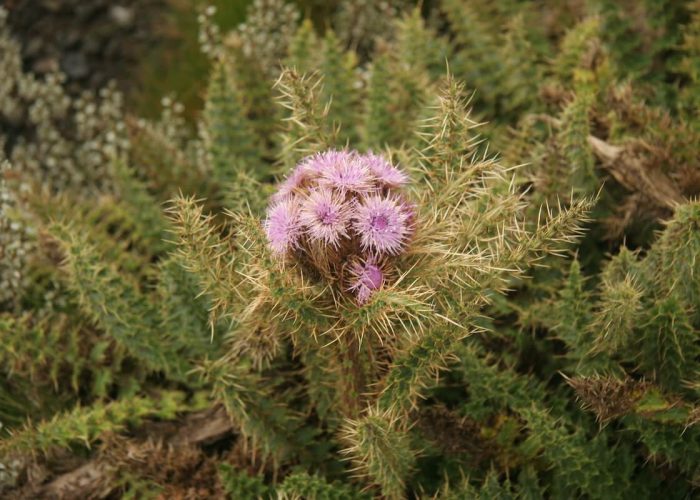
[
  {"x": 342, "y": 213},
  {"x": 17, "y": 241},
  {"x": 59, "y": 141}
]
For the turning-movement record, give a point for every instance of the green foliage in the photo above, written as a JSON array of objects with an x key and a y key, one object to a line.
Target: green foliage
[
  {"x": 380, "y": 451},
  {"x": 306, "y": 132},
  {"x": 414, "y": 369},
  {"x": 379, "y": 111},
  {"x": 229, "y": 140},
  {"x": 184, "y": 312},
  {"x": 303, "y": 49},
  {"x": 538, "y": 337},
  {"x": 688, "y": 64},
  {"x": 85, "y": 426},
  {"x": 501, "y": 64},
  {"x": 666, "y": 337},
  {"x": 575, "y": 129},
  {"x": 338, "y": 70},
  {"x": 54, "y": 353},
  {"x": 312, "y": 487},
  {"x": 398, "y": 86},
  {"x": 115, "y": 303},
  {"x": 271, "y": 428},
  {"x": 238, "y": 484}
]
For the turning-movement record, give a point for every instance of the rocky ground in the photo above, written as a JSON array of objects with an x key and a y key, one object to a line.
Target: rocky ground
[{"x": 91, "y": 41}]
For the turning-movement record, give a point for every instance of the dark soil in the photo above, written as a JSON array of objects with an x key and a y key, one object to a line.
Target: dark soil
[{"x": 91, "y": 41}]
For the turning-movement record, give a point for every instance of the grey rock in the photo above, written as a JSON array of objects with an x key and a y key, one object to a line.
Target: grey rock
[
  {"x": 75, "y": 65},
  {"x": 122, "y": 16}
]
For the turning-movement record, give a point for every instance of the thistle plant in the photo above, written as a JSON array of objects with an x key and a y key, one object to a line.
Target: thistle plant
[{"x": 357, "y": 265}]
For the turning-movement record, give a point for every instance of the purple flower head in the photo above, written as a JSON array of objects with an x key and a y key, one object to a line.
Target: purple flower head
[
  {"x": 344, "y": 213},
  {"x": 366, "y": 278},
  {"x": 347, "y": 175},
  {"x": 282, "y": 226},
  {"x": 326, "y": 161},
  {"x": 384, "y": 171},
  {"x": 325, "y": 217},
  {"x": 292, "y": 183},
  {"x": 381, "y": 224}
]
